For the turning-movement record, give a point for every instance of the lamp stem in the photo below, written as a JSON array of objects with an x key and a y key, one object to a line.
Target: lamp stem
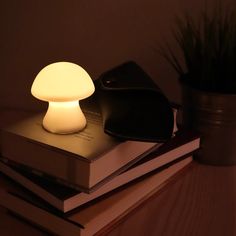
[{"x": 64, "y": 117}]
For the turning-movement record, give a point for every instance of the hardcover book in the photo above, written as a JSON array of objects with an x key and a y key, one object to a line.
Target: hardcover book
[
  {"x": 82, "y": 160},
  {"x": 93, "y": 217},
  {"x": 65, "y": 198}
]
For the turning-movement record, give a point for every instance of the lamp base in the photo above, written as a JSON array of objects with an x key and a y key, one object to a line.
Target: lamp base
[{"x": 64, "y": 118}]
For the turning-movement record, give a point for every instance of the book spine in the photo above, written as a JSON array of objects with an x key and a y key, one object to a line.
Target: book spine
[{"x": 40, "y": 173}]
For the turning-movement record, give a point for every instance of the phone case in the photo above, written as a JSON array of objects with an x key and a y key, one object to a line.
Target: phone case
[{"x": 133, "y": 107}]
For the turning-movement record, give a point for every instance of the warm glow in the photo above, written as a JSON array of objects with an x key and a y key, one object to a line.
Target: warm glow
[
  {"x": 67, "y": 113},
  {"x": 63, "y": 84}
]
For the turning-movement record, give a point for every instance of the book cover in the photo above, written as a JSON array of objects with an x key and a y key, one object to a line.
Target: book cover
[
  {"x": 65, "y": 198},
  {"x": 82, "y": 159},
  {"x": 88, "y": 220}
]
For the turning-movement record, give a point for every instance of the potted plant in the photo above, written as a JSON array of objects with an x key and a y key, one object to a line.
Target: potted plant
[{"x": 208, "y": 80}]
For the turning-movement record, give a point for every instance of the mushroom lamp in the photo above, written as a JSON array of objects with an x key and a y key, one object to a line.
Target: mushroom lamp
[{"x": 63, "y": 84}]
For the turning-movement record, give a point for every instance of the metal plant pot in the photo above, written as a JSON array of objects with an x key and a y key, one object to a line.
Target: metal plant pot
[{"x": 214, "y": 116}]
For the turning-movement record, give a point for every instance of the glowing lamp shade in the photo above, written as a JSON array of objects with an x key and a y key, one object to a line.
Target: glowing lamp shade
[{"x": 63, "y": 84}]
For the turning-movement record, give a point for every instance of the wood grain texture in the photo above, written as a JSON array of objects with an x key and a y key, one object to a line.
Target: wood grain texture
[{"x": 201, "y": 201}]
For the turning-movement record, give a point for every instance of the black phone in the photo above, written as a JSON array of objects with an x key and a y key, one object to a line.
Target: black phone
[{"x": 133, "y": 107}]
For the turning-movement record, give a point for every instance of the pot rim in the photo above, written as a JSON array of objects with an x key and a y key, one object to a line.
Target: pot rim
[{"x": 206, "y": 92}]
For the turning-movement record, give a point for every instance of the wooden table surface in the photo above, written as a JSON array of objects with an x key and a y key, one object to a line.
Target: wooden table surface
[{"x": 199, "y": 202}]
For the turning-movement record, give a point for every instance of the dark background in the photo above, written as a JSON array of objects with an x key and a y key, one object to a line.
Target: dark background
[{"x": 94, "y": 34}]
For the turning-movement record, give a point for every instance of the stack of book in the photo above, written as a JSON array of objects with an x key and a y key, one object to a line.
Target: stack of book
[{"x": 78, "y": 184}]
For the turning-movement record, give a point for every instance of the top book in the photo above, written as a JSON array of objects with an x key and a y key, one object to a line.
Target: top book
[{"x": 83, "y": 160}]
